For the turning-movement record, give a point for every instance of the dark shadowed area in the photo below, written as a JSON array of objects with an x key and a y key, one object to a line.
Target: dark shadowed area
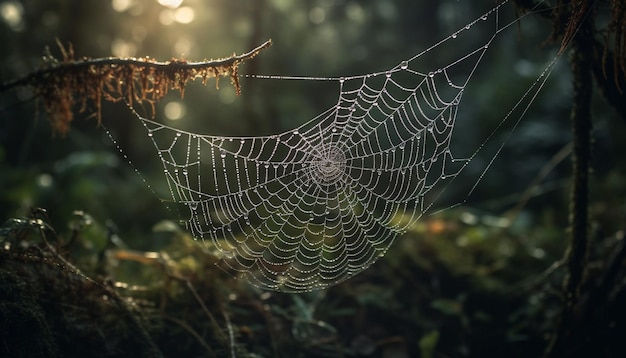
[{"x": 97, "y": 259}]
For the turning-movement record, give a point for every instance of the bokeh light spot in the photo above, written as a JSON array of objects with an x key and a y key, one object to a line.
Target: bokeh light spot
[
  {"x": 185, "y": 15},
  {"x": 12, "y": 14},
  {"x": 174, "y": 110},
  {"x": 139, "y": 33},
  {"x": 44, "y": 180},
  {"x": 355, "y": 13},
  {"x": 182, "y": 47},
  {"x": 121, "y": 5},
  {"x": 166, "y": 17},
  {"x": 227, "y": 95},
  {"x": 122, "y": 48},
  {"x": 317, "y": 15},
  {"x": 50, "y": 19}
]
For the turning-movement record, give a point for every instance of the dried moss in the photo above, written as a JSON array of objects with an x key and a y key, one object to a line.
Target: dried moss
[{"x": 61, "y": 85}]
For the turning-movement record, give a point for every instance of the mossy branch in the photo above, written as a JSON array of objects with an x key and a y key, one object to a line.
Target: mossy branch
[{"x": 62, "y": 85}]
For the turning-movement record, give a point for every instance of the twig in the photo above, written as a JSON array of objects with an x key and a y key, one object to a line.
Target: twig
[
  {"x": 192, "y": 331},
  {"x": 231, "y": 334},
  {"x": 216, "y": 326},
  {"x": 541, "y": 176},
  {"x": 172, "y": 65}
]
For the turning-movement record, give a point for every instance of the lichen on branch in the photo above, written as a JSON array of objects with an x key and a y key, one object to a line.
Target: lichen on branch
[{"x": 61, "y": 85}]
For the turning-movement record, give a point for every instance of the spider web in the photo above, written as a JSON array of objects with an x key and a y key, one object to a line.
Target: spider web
[{"x": 315, "y": 205}]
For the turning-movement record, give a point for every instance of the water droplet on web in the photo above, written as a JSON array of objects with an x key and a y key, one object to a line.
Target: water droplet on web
[
  {"x": 454, "y": 35},
  {"x": 342, "y": 80},
  {"x": 275, "y": 166},
  {"x": 404, "y": 65},
  {"x": 401, "y": 146},
  {"x": 242, "y": 141},
  {"x": 484, "y": 17},
  {"x": 431, "y": 74},
  {"x": 266, "y": 166},
  {"x": 388, "y": 74},
  {"x": 178, "y": 134},
  {"x": 430, "y": 127},
  {"x": 334, "y": 130},
  {"x": 296, "y": 132},
  {"x": 150, "y": 134},
  {"x": 467, "y": 27},
  {"x": 223, "y": 155}
]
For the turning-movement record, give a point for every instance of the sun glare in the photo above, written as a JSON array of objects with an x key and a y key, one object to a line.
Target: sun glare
[{"x": 172, "y": 4}]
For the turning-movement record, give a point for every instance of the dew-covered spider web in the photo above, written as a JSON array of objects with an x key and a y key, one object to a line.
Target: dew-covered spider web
[{"x": 315, "y": 205}]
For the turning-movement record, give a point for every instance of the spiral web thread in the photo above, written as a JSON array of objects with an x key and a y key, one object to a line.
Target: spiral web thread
[{"x": 313, "y": 206}]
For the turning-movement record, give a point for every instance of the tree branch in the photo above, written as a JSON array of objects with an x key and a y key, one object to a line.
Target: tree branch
[
  {"x": 173, "y": 65},
  {"x": 64, "y": 84}
]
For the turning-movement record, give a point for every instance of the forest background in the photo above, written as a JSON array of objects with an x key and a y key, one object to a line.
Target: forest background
[{"x": 117, "y": 267}]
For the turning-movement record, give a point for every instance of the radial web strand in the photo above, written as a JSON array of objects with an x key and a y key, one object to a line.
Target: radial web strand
[{"x": 315, "y": 205}]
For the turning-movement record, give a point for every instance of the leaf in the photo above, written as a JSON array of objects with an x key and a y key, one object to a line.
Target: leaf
[{"x": 428, "y": 343}]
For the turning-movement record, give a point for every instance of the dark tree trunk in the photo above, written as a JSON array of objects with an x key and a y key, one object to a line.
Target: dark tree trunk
[{"x": 566, "y": 337}]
